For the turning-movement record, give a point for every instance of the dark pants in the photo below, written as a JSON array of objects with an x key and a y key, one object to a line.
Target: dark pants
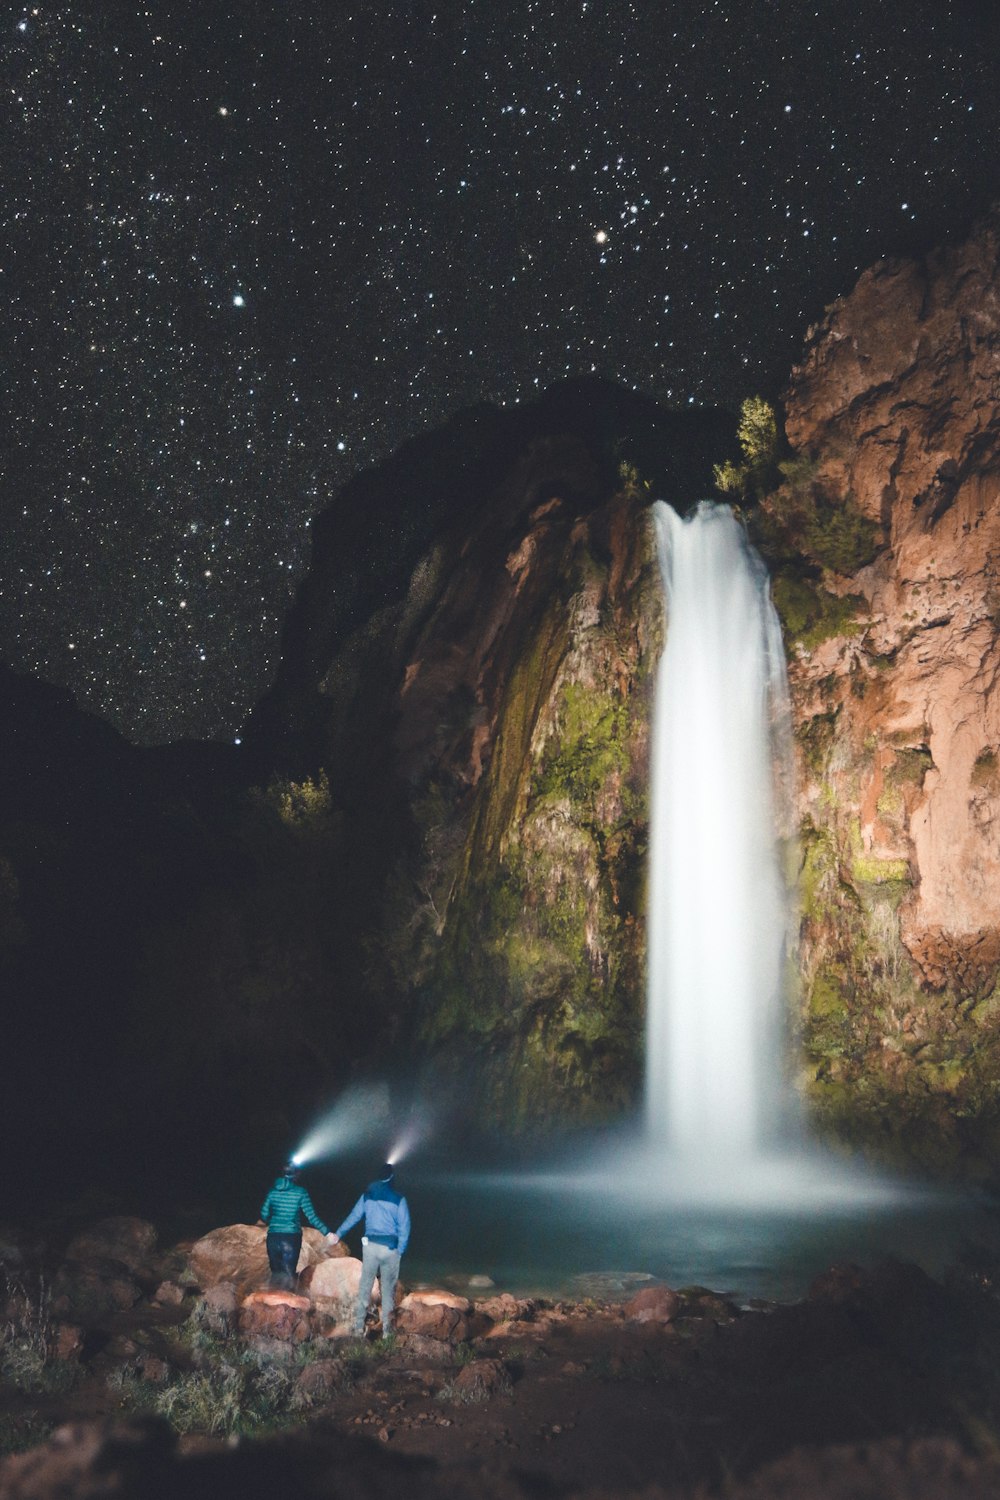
[{"x": 283, "y": 1257}]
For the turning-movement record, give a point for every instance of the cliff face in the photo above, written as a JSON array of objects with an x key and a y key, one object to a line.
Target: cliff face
[
  {"x": 485, "y": 732},
  {"x": 441, "y": 864},
  {"x": 894, "y": 414},
  {"x": 517, "y": 717},
  {"x": 483, "y": 729}
]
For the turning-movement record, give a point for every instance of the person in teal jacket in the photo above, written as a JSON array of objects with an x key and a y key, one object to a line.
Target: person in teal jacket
[{"x": 284, "y": 1208}]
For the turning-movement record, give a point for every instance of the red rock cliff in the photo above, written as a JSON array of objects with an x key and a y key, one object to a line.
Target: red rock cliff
[{"x": 895, "y": 413}]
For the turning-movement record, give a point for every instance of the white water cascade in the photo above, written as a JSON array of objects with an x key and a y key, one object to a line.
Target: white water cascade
[{"x": 716, "y": 1091}]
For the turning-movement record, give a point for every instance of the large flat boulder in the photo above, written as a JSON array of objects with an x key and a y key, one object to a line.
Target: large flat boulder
[{"x": 237, "y": 1253}]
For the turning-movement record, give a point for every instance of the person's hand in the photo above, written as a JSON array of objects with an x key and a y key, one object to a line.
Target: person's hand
[{"x": 333, "y": 1238}]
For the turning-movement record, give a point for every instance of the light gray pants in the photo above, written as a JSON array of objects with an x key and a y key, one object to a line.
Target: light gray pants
[{"x": 380, "y": 1261}]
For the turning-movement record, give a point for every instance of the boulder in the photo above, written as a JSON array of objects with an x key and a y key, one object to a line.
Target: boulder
[
  {"x": 153, "y": 1368},
  {"x": 96, "y": 1458},
  {"x": 334, "y": 1280},
  {"x": 436, "y": 1315},
  {"x": 418, "y": 1348},
  {"x": 123, "y": 1238},
  {"x": 93, "y": 1288},
  {"x": 332, "y": 1287},
  {"x": 483, "y": 1378},
  {"x": 237, "y": 1253},
  {"x": 217, "y": 1310},
  {"x": 168, "y": 1294},
  {"x": 505, "y": 1308},
  {"x": 280, "y": 1316},
  {"x": 837, "y": 1283},
  {"x": 318, "y": 1381},
  {"x": 66, "y": 1341},
  {"x": 654, "y": 1304}
]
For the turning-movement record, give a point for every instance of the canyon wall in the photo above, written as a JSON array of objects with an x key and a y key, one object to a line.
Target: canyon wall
[
  {"x": 428, "y": 857},
  {"x": 885, "y": 544}
]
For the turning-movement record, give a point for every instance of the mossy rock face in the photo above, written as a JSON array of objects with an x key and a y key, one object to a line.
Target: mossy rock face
[
  {"x": 525, "y": 948},
  {"x": 810, "y": 614},
  {"x": 909, "y": 1076}
]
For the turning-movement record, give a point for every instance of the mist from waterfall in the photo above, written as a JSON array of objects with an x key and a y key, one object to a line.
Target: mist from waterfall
[{"x": 717, "y": 1094}]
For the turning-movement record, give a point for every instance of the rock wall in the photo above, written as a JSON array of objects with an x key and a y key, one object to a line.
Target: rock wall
[
  {"x": 510, "y": 928},
  {"x": 888, "y": 525},
  {"x": 481, "y": 722}
]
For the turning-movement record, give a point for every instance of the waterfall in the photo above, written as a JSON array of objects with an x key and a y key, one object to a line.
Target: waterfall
[{"x": 718, "y": 911}]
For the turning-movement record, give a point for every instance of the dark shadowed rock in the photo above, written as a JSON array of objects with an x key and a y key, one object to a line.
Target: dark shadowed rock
[
  {"x": 168, "y": 1294},
  {"x": 123, "y": 1238},
  {"x": 894, "y": 1469},
  {"x": 91, "y": 1289},
  {"x": 318, "y": 1381},
  {"x": 67, "y": 1341},
  {"x": 837, "y": 1283}
]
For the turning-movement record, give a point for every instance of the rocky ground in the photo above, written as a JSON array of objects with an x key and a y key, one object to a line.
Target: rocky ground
[{"x": 132, "y": 1371}]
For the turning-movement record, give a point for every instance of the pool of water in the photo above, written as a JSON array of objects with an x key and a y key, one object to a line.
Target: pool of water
[
  {"x": 596, "y": 1222},
  {"x": 586, "y": 1231}
]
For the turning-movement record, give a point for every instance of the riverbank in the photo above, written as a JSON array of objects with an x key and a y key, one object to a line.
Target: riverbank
[{"x": 134, "y": 1379}]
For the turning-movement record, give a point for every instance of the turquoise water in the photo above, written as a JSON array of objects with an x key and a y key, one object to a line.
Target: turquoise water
[
  {"x": 591, "y": 1225},
  {"x": 575, "y": 1240}
]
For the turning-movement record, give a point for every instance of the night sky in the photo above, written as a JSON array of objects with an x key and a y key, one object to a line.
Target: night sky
[{"x": 249, "y": 248}]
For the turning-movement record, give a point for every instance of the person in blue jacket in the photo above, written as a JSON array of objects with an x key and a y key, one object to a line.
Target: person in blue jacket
[
  {"x": 387, "y": 1234},
  {"x": 283, "y": 1210}
]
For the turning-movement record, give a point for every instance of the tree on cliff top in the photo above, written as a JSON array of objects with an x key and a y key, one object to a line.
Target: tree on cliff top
[{"x": 757, "y": 435}]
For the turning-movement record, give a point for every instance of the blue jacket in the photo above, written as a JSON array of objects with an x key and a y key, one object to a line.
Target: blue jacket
[
  {"x": 283, "y": 1206},
  {"x": 386, "y": 1215}
]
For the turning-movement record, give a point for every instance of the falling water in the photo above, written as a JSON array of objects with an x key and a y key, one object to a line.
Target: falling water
[{"x": 716, "y": 1093}]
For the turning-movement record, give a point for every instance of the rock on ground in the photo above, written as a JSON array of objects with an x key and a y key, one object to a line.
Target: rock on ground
[
  {"x": 91, "y": 1289},
  {"x": 282, "y": 1316},
  {"x": 654, "y": 1304},
  {"x": 129, "y": 1240},
  {"x": 237, "y": 1253},
  {"x": 435, "y": 1314}
]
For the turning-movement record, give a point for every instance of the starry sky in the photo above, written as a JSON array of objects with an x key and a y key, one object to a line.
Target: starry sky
[{"x": 248, "y": 248}]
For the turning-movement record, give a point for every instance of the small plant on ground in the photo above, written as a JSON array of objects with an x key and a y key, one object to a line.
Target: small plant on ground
[
  {"x": 232, "y": 1390},
  {"x": 474, "y": 1393},
  {"x": 232, "y": 1399},
  {"x": 27, "y": 1340},
  {"x": 135, "y": 1393},
  {"x": 22, "y": 1430}
]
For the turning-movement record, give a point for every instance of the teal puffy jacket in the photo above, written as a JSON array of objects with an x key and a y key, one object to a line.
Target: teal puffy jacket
[{"x": 284, "y": 1207}]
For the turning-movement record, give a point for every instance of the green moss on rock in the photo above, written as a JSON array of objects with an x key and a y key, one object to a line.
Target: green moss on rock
[
  {"x": 809, "y": 614},
  {"x": 533, "y": 1000}
]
